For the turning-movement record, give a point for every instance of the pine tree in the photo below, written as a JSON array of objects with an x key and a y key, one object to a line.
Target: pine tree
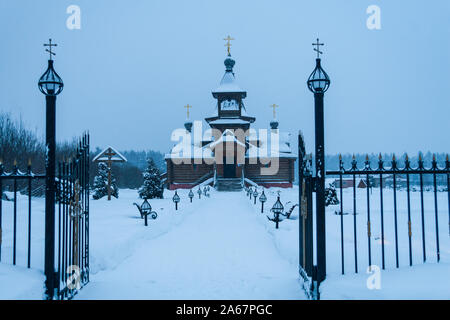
[
  {"x": 152, "y": 187},
  {"x": 331, "y": 196},
  {"x": 101, "y": 183}
]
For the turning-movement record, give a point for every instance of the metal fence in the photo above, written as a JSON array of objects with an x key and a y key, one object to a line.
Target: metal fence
[
  {"x": 17, "y": 182},
  {"x": 391, "y": 180},
  {"x": 72, "y": 218},
  {"x": 73, "y": 222}
]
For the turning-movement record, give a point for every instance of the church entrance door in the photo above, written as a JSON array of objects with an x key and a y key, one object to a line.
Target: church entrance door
[{"x": 229, "y": 170}]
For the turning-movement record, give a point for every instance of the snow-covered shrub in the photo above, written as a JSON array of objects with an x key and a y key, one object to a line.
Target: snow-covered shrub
[
  {"x": 153, "y": 186},
  {"x": 331, "y": 196}
]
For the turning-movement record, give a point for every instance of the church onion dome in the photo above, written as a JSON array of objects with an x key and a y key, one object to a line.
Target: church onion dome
[
  {"x": 274, "y": 124},
  {"x": 188, "y": 125},
  {"x": 228, "y": 83}
]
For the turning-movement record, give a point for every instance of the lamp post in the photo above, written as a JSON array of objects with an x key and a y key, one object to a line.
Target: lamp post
[
  {"x": 50, "y": 84},
  {"x": 176, "y": 199},
  {"x": 255, "y": 195},
  {"x": 146, "y": 208},
  {"x": 191, "y": 195},
  {"x": 277, "y": 210},
  {"x": 318, "y": 83},
  {"x": 263, "y": 199}
]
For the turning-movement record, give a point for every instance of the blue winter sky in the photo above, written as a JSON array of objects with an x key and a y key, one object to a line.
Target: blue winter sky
[{"x": 133, "y": 65}]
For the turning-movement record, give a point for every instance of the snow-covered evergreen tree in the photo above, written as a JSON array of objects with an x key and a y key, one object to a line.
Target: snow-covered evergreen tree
[
  {"x": 331, "y": 196},
  {"x": 101, "y": 183},
  {"x": 152, "y": 187}
]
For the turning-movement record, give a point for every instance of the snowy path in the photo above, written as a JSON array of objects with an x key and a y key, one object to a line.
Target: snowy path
[{"x": 217, "y": 252}]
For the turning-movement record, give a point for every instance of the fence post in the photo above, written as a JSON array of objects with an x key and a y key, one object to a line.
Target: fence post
[
  {"x": 318, "y": 83},
  {"x": 320, "y": 186},
  {"x": 50, "y": 196}
]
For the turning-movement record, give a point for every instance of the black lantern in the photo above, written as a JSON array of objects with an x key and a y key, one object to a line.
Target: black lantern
[
  {"x": 277, "y": 210},
  {"x": 146, "y": 210},
  {"x": 191, "y": 195},
  {"x": 199, "y": 192},
  {"x": 176, "y": 199},
  {"x": 263, "y": 199},
  {"x": 50, "y": 82},
  {"x": 255, "y": 195}
]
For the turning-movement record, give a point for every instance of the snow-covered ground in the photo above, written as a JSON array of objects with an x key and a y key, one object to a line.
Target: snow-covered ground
[{"x": 223, "y": 247}]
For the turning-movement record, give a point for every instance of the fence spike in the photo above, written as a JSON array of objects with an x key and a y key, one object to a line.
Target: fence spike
[
  {"x": 406, "y": 157},
  {"x": 420, "y": 156},
  {"x": 367, "y": 157},
  {"x": 353, "y": 157},
  {"x": 434, "y": 157},
  {"x": 29, "y": 162},
  {"x": 446, "y": 158},
  {"x": 380, "y": 157},
  {"x": 340, "y": 157},
  {"x": 15, "y": 163},
  {"x": 393, "y": 157}
]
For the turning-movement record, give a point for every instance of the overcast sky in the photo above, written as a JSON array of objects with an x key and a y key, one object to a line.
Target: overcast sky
[{"x": 133, "y": 65}]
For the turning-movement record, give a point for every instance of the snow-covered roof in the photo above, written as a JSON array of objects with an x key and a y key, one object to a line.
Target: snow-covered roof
[
  {"x": 228, "y": 84},
  {"x": 265, "y": 146},
  {"x": 229, "y": 121},
  {"x": 110, "y": 154}
]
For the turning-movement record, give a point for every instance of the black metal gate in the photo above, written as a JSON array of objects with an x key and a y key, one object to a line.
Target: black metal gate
[
  {"x": 73, "y": 222},
  {"x": 388, "y": 182},
  {"x": 378, "y": 198}
]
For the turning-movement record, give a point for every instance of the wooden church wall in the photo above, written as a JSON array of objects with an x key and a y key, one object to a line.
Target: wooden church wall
[
  {"x": 187, "y": 173},
  {"x": 285, "y": 172}
]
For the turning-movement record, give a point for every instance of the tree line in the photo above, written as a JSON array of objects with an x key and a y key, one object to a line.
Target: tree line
[{"x": 21, "y": 145}]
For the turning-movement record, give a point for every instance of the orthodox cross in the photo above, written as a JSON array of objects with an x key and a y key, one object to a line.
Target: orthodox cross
[
  {"x": 188, "y": 107},
  {"x": 274, "y": 106},
  {"x": 228, "y": 44},
  {"x": 317, "y": 44},
  {"x": 50, "y": 44},
  {"x": 109, "y": 156}
]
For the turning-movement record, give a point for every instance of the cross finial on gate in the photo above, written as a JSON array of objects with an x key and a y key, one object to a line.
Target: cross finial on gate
[
  {"x": 318, "y": 44},
  {"x": 50, "y": 44}
]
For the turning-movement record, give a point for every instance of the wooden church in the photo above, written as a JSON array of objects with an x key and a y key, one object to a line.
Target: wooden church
[{"x": 233, "y": 154}]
